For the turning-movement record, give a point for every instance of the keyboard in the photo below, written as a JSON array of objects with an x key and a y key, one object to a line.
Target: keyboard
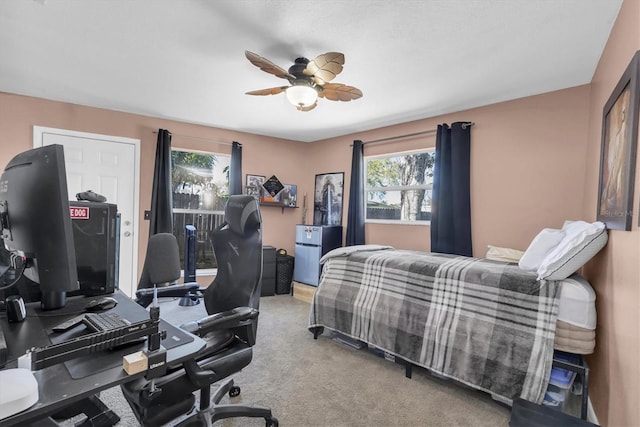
[
  {"x": 96, "y": 322},
  {"x": 101, "y": 322},
  {"x": 108, "y": 323}
]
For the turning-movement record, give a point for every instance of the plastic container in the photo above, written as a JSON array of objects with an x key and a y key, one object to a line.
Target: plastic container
[
  {"x": 562, "y": 378},
  {"x": 560, "y": 382},
  {"x": 555, "y": 397}
]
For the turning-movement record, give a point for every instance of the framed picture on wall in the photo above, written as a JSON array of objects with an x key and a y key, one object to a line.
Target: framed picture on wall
[
  {"x": 289, "y": 195},
  {"x": 253, "y": 186},
  {"x": 272, "y": 190},
  {"x": 327, "y": 205},
  {"x": 618, "y": 151}
]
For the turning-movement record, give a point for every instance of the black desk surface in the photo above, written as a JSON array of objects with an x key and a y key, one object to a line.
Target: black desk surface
[{"x": 56, "y": 387}]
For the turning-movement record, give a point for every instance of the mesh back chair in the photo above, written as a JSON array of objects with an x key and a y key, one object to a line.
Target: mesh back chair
[
  {"x": 232, "y": 301},
  {"x": 161, "y": 270}
]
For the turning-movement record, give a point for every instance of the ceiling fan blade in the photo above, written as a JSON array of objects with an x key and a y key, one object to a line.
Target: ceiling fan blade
[
  {"x": 268, "y": 66},
  {"x": 339, "y": 92},
  {"x": 309, "y": 108},
  {"x": 270, "y": 91},
  {"x": 325, "y": 67}
]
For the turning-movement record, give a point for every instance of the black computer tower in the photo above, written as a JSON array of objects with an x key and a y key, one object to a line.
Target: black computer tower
[{"x": 96, "y": 237}]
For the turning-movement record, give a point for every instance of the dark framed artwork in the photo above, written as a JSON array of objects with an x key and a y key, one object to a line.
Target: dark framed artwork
[
  {"x": 253, "y": 186},
  {"x": 272, "y": 188},
  {"x": 327, "y": 205},
  {"x": 618, "y": 151}
]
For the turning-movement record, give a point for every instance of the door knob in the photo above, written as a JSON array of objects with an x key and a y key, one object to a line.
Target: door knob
[{"x": 127, "y": 233}]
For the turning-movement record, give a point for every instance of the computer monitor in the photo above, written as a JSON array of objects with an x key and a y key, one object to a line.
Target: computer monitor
[{"x": 36, "y": 223}]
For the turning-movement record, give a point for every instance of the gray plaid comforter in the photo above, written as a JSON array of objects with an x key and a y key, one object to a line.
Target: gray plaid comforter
[{"x": 487, "y": 324}]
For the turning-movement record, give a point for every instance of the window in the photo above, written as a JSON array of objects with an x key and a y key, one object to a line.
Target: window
[
  {"x": 200, "y": 191},
  {"x": 398, "y": 187}
]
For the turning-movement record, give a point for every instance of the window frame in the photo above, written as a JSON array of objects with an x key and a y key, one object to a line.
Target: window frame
[
  {"x": 200, "y": 272},
  {"x": 368, "y": 189}
]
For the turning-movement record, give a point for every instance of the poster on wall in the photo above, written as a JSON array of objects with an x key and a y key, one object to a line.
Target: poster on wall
[
  {"x": 327, "y": 206},
  {"x": 272, "y": 188},
  {"x": 289, "y": 195},
  {"x": 253, "y": 186},
  {"x": 618, "y": 151}
]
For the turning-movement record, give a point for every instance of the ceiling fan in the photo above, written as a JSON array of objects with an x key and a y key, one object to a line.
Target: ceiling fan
[{"x": 308, "y": 80}]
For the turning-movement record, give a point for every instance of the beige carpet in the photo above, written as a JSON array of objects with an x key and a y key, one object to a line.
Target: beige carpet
[{"x": 321, "y": 382}]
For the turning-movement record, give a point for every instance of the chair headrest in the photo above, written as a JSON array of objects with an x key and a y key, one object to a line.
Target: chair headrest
[
  {"x": 163, "y": 259},
  {"x": 242, "y": 214}
]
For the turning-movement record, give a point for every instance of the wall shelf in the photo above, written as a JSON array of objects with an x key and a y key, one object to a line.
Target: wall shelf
[{"x": 278, "y": 205}]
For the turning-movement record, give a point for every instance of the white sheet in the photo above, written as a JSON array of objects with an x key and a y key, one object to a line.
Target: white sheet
[{"x": 577, "y": 302}]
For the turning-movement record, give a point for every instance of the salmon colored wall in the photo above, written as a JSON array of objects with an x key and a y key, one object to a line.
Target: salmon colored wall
[
  {"x": 528, "y": 160},
  {"x": 527, "y": 168},
  {"x": 615, "y": 272},
  {"x": 261, "y": 155}
]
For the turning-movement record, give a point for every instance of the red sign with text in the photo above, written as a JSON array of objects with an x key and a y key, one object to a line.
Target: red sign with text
[{"x": 79, "y": 212}]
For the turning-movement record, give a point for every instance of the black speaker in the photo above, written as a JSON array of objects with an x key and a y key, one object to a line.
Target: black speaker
[
  {"x": 189, "y": 254},
  {"x": 96, "y": 237}
]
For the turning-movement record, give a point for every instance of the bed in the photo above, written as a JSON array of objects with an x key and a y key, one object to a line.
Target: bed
[{"x": 489, "y": 324}]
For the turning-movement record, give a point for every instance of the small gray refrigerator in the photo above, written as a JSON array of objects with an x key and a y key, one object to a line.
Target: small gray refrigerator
[{"x": 312, "y": 242}]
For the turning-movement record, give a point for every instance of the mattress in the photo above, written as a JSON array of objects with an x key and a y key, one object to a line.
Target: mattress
[
  {"x": 574, "y": 339},
  {"x": 577, "y": 303}
]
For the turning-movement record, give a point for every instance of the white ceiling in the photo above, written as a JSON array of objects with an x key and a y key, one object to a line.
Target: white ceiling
[{"x": 184, "y": 60}]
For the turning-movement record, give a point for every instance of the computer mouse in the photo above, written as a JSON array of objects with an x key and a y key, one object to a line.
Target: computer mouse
[{"x": 102, "y": 303}]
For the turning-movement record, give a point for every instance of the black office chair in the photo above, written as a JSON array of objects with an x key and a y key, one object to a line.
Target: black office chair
[{"x": 232, "y": 301}]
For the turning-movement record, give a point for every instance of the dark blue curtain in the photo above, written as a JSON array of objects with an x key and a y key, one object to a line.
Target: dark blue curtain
[
  {"x": 355, "y": 215},
  {"x": 451, "y": 204},
  {"x": 235, "y": 169},
  {"x": 161, "y": 197}
]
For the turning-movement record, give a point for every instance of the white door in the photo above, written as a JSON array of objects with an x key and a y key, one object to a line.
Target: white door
[{"x": 110, "y": 166}]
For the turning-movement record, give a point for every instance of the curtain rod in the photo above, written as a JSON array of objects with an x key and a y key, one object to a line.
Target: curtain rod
[
  {"x": 195, "y": 138},
  {"x": 424, "y": 132}
]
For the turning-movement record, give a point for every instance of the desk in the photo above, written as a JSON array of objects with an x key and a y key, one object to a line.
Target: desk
[{"x": 56, "y": 388}]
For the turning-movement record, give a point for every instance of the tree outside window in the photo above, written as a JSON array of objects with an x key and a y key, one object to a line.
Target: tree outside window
[
  {"x": 200, "y": 191},
  {"x": 398, "y": 186}
]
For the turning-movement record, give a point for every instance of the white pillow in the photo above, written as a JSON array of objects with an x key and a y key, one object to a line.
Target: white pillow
[
  {"x": 581, "y": 242},
  {"x": 540, "y": 247}
]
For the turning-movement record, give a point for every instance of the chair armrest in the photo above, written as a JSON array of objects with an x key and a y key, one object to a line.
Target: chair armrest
[
  {"x": 144, "y": 296},
  {"x": 219, "y": 321}
]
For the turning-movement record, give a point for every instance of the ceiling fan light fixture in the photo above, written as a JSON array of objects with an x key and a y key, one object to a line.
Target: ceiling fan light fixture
[
  {"x": 308, "y": 80},
  {"x": 301, "y": 95}
]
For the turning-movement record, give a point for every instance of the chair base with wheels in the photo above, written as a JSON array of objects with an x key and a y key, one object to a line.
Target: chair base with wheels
[{"x": 214, "y": 411}]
